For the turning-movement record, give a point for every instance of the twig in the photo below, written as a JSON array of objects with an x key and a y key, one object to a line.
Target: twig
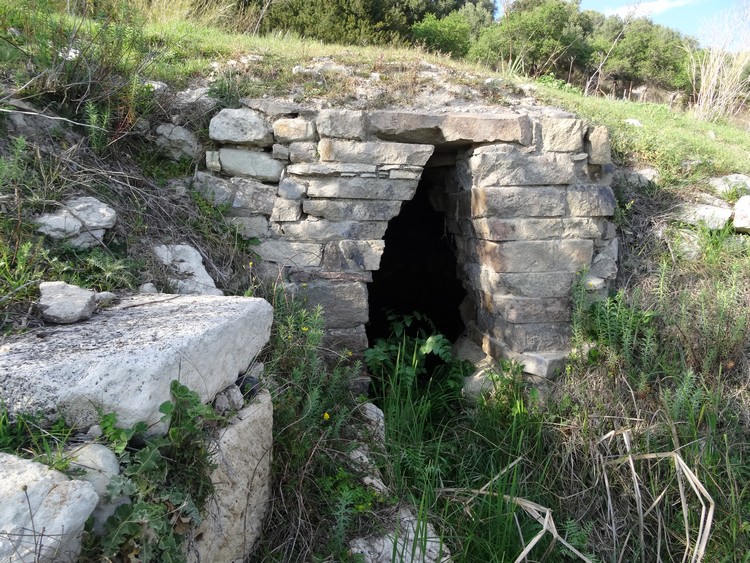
[
  {"x": 10, "y": 294},
  {"x": 54, "y": 117}
]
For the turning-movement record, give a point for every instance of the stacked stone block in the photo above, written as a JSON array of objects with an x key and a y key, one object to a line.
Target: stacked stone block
[{"x": 525, "y": 202}]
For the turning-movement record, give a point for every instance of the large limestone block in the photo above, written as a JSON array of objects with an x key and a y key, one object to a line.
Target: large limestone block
[
  {"x": 733, "y": 183},
  {"x": 410, "y": 127},
  {"x": 242, "y": 126},
  {"x": 742, "y": 215},
  {"x": 296, "y": 129},
  {"x": 259, "y": 165},
  {"x": 186, "y": 265},
  {"x": 82, "y": 221},
  {"x": 540, "y": 284},
  {"x": 177, "y": 141},
  {"x": 374, "y": 152},
  {"x": 536, "y": 256},
  {"x": 516, "y": 309},
  {"x": 286, "y": 253},
  {"x": 64, "y": 304},
  {"x": 326, "y": 231},
  {"x": 216, "y": 190},
  {"x": 505, "y": 165},
  {"x": 591, "y": 200},
  {"x": 712, "y": 216},
  {"x": 535, "y": 337},
  {"x": 254, "y": 226},
  {"x": 42, "y": 512},
  {"x": 242, "y": 481},
  {"x": 331, "y": 169},
  {"x": 342, "y": 124},
  {"x": 355, "y": 255},
  {"x": 352, "y": 209},
  {"x": 497, "y": 229},
  {"x": 303, "y": 151},
  {"x": 362, "y": 188},
  {"x": 124, "y": 359},
  {"x": 562, "y": 135},
  {"x": 344, "y": 303},
  {"x": 598, "y": 145},
  {"x": 352, "y": 339},
  {"x": 543, "y": 201},
  {"x": 286, "y": 210}
]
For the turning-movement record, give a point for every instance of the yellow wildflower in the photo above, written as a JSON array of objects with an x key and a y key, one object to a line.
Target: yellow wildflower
[{"x": 326, "y": 416}]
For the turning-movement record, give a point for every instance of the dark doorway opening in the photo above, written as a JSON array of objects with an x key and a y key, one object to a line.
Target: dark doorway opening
[{"x": 418, "y": 267}]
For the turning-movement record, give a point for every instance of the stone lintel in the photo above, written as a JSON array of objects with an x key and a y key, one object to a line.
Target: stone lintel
[
  {"x": 352, "y": 209},
  {"x": 362, "y": 188},
  {"x": 374, "y": 152}
]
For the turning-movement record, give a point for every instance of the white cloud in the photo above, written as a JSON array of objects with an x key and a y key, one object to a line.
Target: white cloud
[{"x": 646, "y": 9}]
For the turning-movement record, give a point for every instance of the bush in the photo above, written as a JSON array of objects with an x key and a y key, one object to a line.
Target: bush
[{"x": 450, "y": 35}]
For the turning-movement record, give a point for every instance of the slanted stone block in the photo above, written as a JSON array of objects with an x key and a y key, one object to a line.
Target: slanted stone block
[
  {"x": 324, "y": 231},
  {"x": 352, "y": 209},
  {"x": 742, "y": 215},
  {"x": 598, "y": 146},
  {"x": 377, "y": 152},
  {"x": 255, "y": 197},
  {"x": 544, "y": 201}
]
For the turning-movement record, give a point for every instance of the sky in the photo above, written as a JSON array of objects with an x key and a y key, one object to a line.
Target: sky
[{"x": 688, "y": 16}]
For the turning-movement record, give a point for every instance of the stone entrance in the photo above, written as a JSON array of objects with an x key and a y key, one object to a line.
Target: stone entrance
[{"x": 519, "y": 199}]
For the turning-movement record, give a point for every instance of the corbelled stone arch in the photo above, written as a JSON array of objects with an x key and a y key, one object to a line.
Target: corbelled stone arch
[{"x": 527, "y": 209}]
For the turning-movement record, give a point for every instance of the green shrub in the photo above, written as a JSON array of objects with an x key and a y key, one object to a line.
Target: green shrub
[{"x": 450, "y": 35}]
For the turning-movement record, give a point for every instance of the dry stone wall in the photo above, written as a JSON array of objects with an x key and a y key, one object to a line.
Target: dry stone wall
[{"x": 525, "y": 196}]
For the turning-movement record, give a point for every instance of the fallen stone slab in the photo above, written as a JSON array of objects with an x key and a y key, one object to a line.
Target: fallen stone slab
[
  {"x": 713, "y": 217},
  {"x": 742, "y": 215},
  {"x": 124, "y": 359}
]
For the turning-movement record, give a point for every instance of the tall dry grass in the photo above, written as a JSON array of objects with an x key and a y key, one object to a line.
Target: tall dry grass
[{"x": 721, "y": 82}]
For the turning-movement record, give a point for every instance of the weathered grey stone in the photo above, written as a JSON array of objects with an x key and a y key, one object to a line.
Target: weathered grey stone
[
  {"x": 591, "y": 201},
  {"x": 341, "y": 123},
  {"x": 412, "y": 541},
  {"x": 405, "y": 173},
  {"x": 536, "y": 256},
  {"x": 552, "y": 284},
  {"x": 42, "y": 512},
  {"x": 186, "y": 264},
  {"x": 505, "y": 165},
  {"x": 530, "y": 309},
  {"x": 344, "y": 303},
  {"x": 280, "y": 152},
  {"x": 124, "y": 359},
  {"x": 255, "y": 226},
  {"x": 533, "y": 337},
  {"x": 64, "y": 304},
  {"x": 710, "y": 215},
  {"x": 303, "y": 152},
  {"x": 105, "y": 298},
  {"x": 350, "y": 339},
  {"x": 78, "y": 216},
  {"x": 241, "y": 126},
  {"x": 542, "y": 364},
  {"x": 610, "y": 248},
  {"x": 492, "y": 228},
  {"x": 148, "y": 288},
  {"x": 325, "y": 231},
  {"x": 292, "y": 188},
  {"x": 213, "y": 162},
  {"x": 242, "y": 482},
  {"x": 177, "y": 141},
  {"x": 331, "y": 169},
  {"x": 362, "y": 188},
  {"x": 732, "y": 183},
  {"x": 594, "y": 283},
  {"x": 352, "y": 209},
  {"x": 229, "y": 400},
  {"x": 513, "y": 202},
  {"x": 598, "y": 146},
  {"x": 297, "y": 254},
  {"x": 271, "y": 107},
  {"x": 374, "y": 152},
  {"x": 259, "y": 165},
  {"x": 562, "y": 135},
  {"x": 256, "y": 197},
  {"x": 353, "y": 255},
  {"x": 98, "y": 464},
  {"x": 296, "y": 129},
  {"x": 87, "y": 239},
  {"x": 216, "y": 190},
  {"x": 604, "y": 267},
  {"x": 286, "y": 210},
  {"x": 742, "y": 215}
]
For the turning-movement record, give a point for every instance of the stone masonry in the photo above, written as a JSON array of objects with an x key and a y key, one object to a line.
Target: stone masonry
[{"x": 525, "y": 196}]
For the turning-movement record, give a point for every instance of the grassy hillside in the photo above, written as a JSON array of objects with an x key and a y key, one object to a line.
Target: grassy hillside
[{"x": 643, "y": 437}]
